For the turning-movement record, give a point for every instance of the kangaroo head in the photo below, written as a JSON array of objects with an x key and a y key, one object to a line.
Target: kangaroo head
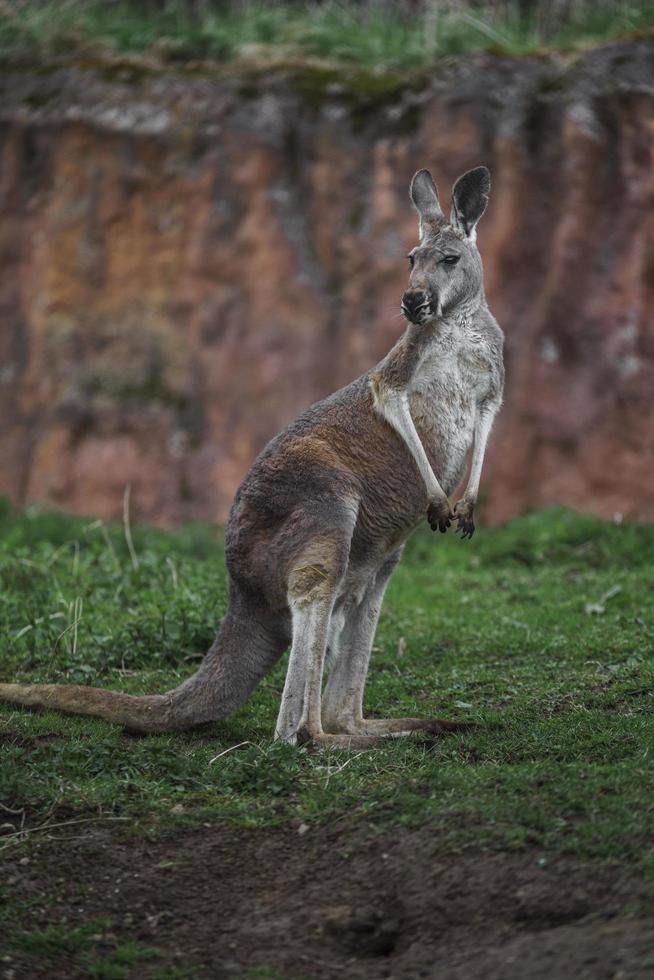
[{"x": 445, "y": 268}]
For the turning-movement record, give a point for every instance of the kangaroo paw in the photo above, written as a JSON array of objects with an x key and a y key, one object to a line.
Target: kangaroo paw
[
  {"x": 463, "y": 515},
  {"x": 439, "y": 514}
]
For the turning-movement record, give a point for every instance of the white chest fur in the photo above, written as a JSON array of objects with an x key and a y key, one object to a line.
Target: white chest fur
[{"x": 443, "y": 399}]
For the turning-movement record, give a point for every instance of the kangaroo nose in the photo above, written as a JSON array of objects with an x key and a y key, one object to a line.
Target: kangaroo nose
[{"x": 414, "y": 302}]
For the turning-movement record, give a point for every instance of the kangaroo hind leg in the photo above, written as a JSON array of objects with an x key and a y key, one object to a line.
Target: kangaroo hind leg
[
  {"x": 343, "y": 697},
  {"x": 342, "y": 709},
  {"x": 313, "y": 583}
]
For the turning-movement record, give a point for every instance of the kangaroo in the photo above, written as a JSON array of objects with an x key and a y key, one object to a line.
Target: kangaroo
[{"x": 320, "y": 521}]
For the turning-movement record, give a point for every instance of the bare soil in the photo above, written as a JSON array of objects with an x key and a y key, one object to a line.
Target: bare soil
[{"x": 329, "y": 902}]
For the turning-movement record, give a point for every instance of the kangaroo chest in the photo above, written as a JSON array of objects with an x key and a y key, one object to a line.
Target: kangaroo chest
[{"x": 443, "y": 398}]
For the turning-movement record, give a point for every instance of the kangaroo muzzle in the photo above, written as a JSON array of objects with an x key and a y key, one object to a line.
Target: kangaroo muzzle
[{"x": 417, "y": 305}]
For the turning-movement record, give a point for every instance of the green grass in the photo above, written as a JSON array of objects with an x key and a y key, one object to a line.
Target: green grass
[
  {"x": 93, "y": 947},
  {"x": 509, "y": 631},
  {"x": 61, "y": 939},
  {"x": 364, "y": 34}
]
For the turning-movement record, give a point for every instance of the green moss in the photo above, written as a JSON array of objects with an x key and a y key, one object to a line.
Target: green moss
[
  {"x": 125, "y": 72},
  {"x": 39, "y": 100},
  {"x": 357, "y": 88},
  {"x": 362, "y": 92}
]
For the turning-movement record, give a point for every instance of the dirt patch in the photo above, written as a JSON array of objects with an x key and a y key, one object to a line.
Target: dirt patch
[{"x": 327, "y": 903}]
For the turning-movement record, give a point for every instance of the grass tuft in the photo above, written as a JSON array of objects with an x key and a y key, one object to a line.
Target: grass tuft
[{"x": 93, "y": 946}]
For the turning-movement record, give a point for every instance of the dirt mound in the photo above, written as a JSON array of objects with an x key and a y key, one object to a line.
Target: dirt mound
[{"x": 327, "y": 903}]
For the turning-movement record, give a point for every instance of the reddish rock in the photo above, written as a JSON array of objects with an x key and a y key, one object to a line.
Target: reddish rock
[{"x": 190, "y": 259}]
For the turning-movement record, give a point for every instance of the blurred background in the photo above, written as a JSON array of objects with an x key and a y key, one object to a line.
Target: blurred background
[{"x": 204, "y": 219}]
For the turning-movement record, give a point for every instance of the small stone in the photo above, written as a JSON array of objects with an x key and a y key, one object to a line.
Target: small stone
[
  {"x": 303, "y": 829},
  {"x": 24, "y": 861}
]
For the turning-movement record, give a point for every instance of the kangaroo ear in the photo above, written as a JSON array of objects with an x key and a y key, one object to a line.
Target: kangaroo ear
[
  {"x": 469, "y": 200},
  {"x": 425, "y": 200}
]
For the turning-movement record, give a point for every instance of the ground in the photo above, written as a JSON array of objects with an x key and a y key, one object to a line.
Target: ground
[
  {"x": 521, "y": 847},
  {"x": 221, "y": 902}
]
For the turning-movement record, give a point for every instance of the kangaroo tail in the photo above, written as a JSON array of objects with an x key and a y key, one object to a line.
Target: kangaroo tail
[{"x": 242, "y": 653}]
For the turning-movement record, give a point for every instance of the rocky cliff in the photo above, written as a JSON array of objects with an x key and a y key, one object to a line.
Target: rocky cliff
[{"x": 190, "y": 258}]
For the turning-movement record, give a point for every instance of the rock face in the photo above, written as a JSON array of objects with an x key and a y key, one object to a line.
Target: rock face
[{"x": 188, "y": 260}]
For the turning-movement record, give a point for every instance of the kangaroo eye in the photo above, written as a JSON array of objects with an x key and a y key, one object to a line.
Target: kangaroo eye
[
  {"x": 450, "y": 259},
  {"x": 411, "y": 259}
]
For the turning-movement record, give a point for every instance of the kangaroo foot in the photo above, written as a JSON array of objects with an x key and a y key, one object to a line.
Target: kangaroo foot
[
  {"x": 371, "y": 733},
  {"x": 313, "y": 736},
  {"x": 405, "y": 726},
  {"x": 385, "y": 728}
]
